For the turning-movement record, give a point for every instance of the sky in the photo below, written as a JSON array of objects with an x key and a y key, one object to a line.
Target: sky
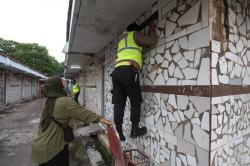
[{"x": 35, "y": 21}]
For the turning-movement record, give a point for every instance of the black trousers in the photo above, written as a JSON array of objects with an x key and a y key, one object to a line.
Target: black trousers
[
  {"x": 76, "y": 95},
  {"x": 61, "y": 159},
  {"x": 126, "y": 83}
]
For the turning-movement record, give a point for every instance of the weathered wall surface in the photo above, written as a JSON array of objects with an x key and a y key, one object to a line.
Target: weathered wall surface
[
  {"x": 186, "y": 87},
  {"x": 177, "y": 125},
  {"x": 230, "y": 138},
  {"x": 13, "y": 88},
  {"x": 94, "y": 88},
  {"x": 19, "y": 88}
]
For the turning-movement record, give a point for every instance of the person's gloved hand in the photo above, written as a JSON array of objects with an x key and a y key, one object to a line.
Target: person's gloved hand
[{"x": 106, "y": 121}]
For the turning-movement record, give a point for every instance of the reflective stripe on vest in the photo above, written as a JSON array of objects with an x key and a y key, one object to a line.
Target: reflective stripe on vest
[
  {"x": 128, "y": 50},
  {"x": 75, "y": 88}
]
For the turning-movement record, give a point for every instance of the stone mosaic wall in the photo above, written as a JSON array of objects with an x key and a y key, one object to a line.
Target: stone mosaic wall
[
  {"x": 230, "y": 130},
  {"x": 178, "y": 125},
  {"x": 230, "y": 138},
  {"x": 230, "y": 58}
]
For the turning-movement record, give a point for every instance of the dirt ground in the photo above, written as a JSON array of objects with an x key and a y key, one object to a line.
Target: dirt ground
[{"x": 17, "y": 127}]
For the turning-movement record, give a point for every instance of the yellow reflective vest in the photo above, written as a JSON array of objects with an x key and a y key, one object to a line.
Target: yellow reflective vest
[
  {"x": 76, "y": 88},
  {"x": 128, "y": 51}
]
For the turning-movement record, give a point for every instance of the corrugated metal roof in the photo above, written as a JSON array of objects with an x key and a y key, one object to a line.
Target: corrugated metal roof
[{"x": 11, "y": 64}]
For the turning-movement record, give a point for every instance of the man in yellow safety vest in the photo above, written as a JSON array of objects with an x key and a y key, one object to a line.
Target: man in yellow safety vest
[
  {"x": 76, "y": 90},
  {"x": 125, "y": 77}
]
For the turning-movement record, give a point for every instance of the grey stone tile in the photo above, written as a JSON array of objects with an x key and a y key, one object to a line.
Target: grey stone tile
[
  {"x": 191, "y": 16},
  {"x": 195, "y": 40},
  {"x": 185, "y": 147}
]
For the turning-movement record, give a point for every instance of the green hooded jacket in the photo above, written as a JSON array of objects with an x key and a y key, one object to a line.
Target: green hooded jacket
[{"x": 47, "y": 144}]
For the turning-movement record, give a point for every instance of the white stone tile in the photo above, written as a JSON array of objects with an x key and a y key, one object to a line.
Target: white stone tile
[
  {"x": 176, "y": 47},
  {"x": 165, "y": 75},
  {"x": 201, "y": 104},
  {"x": 216, "y": 100},
  {"x": 173, "y": 158},
  {"x": 189, "y": 113},
  {"x": 189, "y": 55},
  {"x": 189, "y": 82},
  {"x": 223, "y": 65},
  {"x": 161, "y": 23},
  {"x": 171, "y": 69},
  {"x": 176, "y": 35},
  {"x": 197, "y": 58},
  {"x": 239, "y": 19},
  {"x": 233, "y": 57},
  {"x": 205, "y": 121},
  {"x": 214, "y": 122},
  {"x": 183, "y": 63},
  {"x": 172, "y": 81},
  {"x": 230, "y": 66},
  {"x": 176, "y": 115},
  {"x": 213, "y": 135},
  {"x": 168, "y": 55},
  {"x": 191, "y": 160},
  {"x": 152, "y": 60},
  {"x": 160, "y": 49},
  {"x": 187, "y": 133},
  {"x": 196, "y": 121},
  {"x": 169, "y": 44},
  {"x": 184, "y": 42},
  {"x": 215, "y": 57},
  {"x": 181, "y": 114},
  {"x": 185, "y": 147},
  {"x": 216, "y": 46},
  {"x": 165, "y": 64},
  {"x": 204, "y": 74},
  {"x": 170, "y": 138},
  {"x": 196, "y": 41},
  {"x": 223, "y": 79},
  {"x": 232, "y": 48},
  {"x": 172, "y": 101},
  {"x": 182, "y": 102},
  {"x": 159, "y": 70},
  {"x": 159, "y": 59},
  {"x": 200, "y": 137},
  {"x": 174, "y": 17},
  {"x": 239, "y": 46},
  {"x": 178, "y": 73},
  {"x": 171, "y": 117},
  {"x": 215, "y": 80},
  {"x": 178, "y": 161},
  {"x": 170, "y": 27},
  {"x": 177, "y": 57},
  {"x": 152, "y": 75},
  {"x": 191, "y": 16},
  {"x": 159, "y": 80},
  {"x": 238, "y": 70},
  {"x": 193, "y": 28},
  {"x": 183, "y": 159},
  {"x": 190, "y": 73},
  {"x": 205, "y": 7}
]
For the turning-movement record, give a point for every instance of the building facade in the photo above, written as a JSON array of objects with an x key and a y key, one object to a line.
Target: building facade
[
  {"x": 18, "y": 83},
  {"x": 195, "y": 81}
]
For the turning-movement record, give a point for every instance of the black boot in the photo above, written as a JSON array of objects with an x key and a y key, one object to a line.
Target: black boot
[
  {"x": 120, "y": 133},
  {"x": 137, "y": 131}
]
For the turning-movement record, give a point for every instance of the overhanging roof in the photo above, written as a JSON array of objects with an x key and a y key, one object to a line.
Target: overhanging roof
[
  {"x": 92, "y": 24},
  {"x": 10, "y": 64}
]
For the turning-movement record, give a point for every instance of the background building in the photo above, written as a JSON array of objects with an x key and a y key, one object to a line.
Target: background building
[{"x": 18, "y": 83}]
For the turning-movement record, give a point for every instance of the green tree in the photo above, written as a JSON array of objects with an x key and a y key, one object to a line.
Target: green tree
[{"x": 32, "y": 55}]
